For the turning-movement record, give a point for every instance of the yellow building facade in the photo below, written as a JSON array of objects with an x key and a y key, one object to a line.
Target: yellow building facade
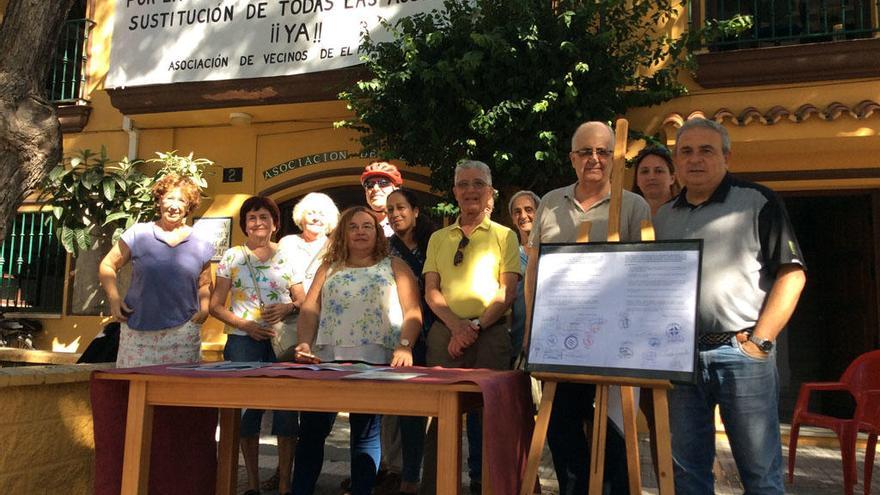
[{"x": 803, "y": 111}]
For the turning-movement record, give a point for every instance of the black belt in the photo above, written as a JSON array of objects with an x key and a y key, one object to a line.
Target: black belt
[{"x": 722, "y": 338}]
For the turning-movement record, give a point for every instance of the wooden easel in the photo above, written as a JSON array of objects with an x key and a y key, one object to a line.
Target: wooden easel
[{"x": 600, "y": 421}]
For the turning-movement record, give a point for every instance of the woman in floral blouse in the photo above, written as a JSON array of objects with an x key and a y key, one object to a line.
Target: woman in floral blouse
[
  {"x": 264, "y": 287},
  {"x": 363, "y": 306}
]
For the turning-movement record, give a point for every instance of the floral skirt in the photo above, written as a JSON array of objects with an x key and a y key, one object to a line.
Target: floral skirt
[{"x": 181, "y": 344}]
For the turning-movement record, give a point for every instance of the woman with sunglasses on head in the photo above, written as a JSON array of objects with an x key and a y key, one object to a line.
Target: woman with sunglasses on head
[
  {"x": 260, "y": 278},
  {"x": 412, "y": 230},
  {"x": 654, "y": 177},
  {"x": 363, "y": 306}
]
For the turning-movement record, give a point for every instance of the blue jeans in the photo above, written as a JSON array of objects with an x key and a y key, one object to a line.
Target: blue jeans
[
  {"x": 412, "y": 446},
  {"x": 746, "y": 389},
  {"x": 366, "y": 450},
  {"x": 242, "y": 348},
  {"x": 572, "y": 406}
]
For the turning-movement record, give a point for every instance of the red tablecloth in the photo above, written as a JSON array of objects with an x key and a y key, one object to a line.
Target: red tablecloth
[{"x": 183, "y": 455}]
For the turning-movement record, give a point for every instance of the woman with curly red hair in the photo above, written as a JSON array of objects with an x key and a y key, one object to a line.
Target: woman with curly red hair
[{"x": 167, "y": 301}]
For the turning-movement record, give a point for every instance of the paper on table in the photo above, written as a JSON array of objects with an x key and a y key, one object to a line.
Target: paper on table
[
  {"x": 328, "y": 367},
  {"x": 381, "y": 375},
  {"x": 222, "y": 366}
]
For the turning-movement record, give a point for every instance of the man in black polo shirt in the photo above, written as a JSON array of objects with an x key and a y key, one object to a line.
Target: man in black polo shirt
[{"x": 752, "y": 277}]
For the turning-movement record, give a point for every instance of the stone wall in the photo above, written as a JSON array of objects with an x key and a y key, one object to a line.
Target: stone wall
[{"x": 46, "y": 425}]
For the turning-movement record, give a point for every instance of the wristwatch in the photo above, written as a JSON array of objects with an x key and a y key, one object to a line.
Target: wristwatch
[
  {"x": 764, "y": 345},
  {"x": 404, "y": 343}
]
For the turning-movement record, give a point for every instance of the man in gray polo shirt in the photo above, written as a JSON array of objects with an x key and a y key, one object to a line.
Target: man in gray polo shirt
[
  {"x": 752, "y": 276},
  {"x": 561, "y": 212}
]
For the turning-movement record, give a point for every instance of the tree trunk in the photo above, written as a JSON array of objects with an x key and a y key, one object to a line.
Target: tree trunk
[
  {"x": 87, "y": 297},
  {"x": 30, "y": 135}
]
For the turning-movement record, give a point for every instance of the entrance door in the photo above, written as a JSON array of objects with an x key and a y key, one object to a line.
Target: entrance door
[{"x": 836, "y": 318}]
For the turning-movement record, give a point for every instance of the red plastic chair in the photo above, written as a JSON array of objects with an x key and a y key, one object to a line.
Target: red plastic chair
[
  {"x": 871, "y": 409},
  {"x": 862, "y": 380}
]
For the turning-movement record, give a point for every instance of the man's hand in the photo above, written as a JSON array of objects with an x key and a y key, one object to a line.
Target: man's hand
[
  {"x": 751, "y": 349},
  {"x": 464, "y": 334}
]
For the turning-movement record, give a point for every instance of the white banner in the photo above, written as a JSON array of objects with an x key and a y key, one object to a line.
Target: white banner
[{"x": 169, "y": 41}]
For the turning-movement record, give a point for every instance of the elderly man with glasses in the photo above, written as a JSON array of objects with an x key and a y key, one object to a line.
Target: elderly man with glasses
[
  {"x": 379, "y": 180},
  {"x": 558, "y": 218},
  {"x": 471, "y": 272}
]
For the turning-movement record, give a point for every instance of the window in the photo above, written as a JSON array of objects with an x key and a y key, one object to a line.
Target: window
[
  {"x": 31, "y": 265},
  {"x": 792, "y": 22},
  {"x": 65, "y": 78}
]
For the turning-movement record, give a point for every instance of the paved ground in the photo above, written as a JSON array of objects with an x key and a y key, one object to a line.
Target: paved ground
[{"x": 818, "y": 470}]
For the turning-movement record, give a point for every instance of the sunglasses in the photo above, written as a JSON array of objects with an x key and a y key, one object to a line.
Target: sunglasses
[
  {"x": 459, "y": 253},
  {"x": 370, "y": 183},
  {"x": 585, "y": 153}
]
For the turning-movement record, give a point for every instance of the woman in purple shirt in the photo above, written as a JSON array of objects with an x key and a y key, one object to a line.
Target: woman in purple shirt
[{"x": 167, "y": 301}]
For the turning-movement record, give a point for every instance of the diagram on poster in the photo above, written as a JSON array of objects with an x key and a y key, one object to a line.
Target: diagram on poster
[{"x": 616, "y": 309}]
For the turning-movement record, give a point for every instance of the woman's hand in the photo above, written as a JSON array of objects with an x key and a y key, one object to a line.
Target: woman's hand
[
  {"x": 273, "y": 313},
  {"x": 402, "y": 357},
  {"x": 199, "y": 317},
  {"x": 257, "y": 331},
  {"x": 303, "y": 354},
  {"x": 120, "y": 310}
]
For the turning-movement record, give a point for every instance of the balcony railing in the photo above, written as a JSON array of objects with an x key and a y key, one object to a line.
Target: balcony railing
[
  {"x": 31, "y": 265},
  {"x": 67, "y": 75},
  {"x": 791, "y": 22}
]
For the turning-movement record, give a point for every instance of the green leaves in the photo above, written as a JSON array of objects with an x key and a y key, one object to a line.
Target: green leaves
[
  {"x": 508, "y": 81},
  {"x": 92, "y": 196},
  {"x": 109, "y": 184},
  {"x": 116, "y": 216}
]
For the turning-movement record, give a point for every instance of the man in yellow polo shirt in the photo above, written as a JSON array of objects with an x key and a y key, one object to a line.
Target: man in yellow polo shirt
[{"x": 471, "y": 272}]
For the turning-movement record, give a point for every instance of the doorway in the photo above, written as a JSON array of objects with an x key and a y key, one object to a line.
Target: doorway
[{"x": 836, "y": 318}]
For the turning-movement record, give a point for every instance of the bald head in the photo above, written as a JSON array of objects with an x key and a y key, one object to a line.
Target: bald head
[
  {"x": 591, "y": 147},
  {"x": 592, "y": 128}
]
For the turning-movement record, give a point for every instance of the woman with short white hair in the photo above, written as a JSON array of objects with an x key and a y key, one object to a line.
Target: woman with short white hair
[{"x": 316, "y": 215}]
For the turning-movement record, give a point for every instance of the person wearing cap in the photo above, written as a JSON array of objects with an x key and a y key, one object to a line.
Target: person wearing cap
[{"x": 379, "y": 180}]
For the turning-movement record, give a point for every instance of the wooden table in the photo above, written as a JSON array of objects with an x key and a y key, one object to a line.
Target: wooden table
[{"x": 446, "y": 402}]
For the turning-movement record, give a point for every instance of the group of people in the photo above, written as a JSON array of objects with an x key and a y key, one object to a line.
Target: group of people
[{"x": 379, "y": 284}]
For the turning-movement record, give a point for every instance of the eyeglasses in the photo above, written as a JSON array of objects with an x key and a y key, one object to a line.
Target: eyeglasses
[
  {"x": 589, "y": 152},
  {"x": 370, "y": 183},
  {"x": 477, "y": 184},
  {"x": 459, "y": 253}
]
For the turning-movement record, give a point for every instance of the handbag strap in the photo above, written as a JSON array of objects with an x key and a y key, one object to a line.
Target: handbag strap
[{"x": 247, "y": 260}]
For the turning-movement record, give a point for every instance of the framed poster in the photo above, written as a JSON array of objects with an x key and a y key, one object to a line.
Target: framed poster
[
  {"x": 216, "y": 230},
  {"x": 617, "y": 309}
]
